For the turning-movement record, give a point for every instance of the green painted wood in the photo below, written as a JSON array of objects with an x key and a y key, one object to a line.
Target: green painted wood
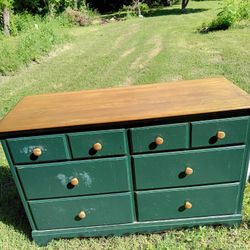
[
  {"x": 204, "y": 132},
  {"x": 42, "y": 237},
  {"x": 18, "y": 185},
  {"x": 244, "y": 170},
  {"x": 176, "y": 136},
  {"x": 99, "y": 209},
  {"x": 169, "y": 204},
  {"x": 114, "y": 142},
  {"x": 209, "y": 166},
  {"x": 94, "y": 176},
  {"x": 54, "y": 148}
]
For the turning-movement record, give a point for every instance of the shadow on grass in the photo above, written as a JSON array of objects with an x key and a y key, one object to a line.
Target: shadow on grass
[
  {"x": 11, "y": 209},
  {"x": 165, "y": 12},
  {"x": 156, "y": 12}
]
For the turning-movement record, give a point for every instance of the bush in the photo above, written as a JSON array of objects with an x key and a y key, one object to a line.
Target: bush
[
  {"x": 231, "y": 12},
  {"x": 30, "y": 45},
  {"x": 132, "y": 10}
]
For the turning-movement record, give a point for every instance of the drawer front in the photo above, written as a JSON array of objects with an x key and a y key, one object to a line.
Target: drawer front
[
  {"x": 52, "y": 148},
  {"x": 110, "y": 142},
  {"x": 159, "y": 138},
  {"x": 187, "y": 202},
  {"x": 219, "y": 132},
  {"x": 75, "y": 178},
  {"x": 196, "y": 167},
  {"x": 95, "y": 210}
]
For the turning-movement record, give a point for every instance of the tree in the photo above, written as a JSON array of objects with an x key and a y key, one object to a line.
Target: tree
[
  {"x": 5, "y": 7},
  {"x": 184, "y": 4}
]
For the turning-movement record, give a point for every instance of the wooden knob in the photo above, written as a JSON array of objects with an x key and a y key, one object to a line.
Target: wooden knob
[
  {"x": 188, "y": 205},
  {"x": 74, "y": 182},
  {"x": 37, "y": 152},
  {"x": 97, "y": 146},
  {"x": 221, "y": 135},
  {"x": 159, "y": 140},
  {"x": 189, "y": 171},
  {"x": 82, "y": 215}
]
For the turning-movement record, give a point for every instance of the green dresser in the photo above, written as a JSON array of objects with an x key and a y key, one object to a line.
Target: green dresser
[{"x": 136, "y": 159}]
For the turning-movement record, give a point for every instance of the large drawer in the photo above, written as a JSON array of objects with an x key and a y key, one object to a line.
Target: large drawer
[
  {"x": 187, "y": 202},
  {"x": 82, "y": 211},
  {"x": 219, "y": 132},
  {"x": 186, "y": 168},
  {"x": 39, "y": 149},
  {"x": 98, "y": 143},
  {"x": 160, "y": 138},
  {"x": 75, "y": 178}
]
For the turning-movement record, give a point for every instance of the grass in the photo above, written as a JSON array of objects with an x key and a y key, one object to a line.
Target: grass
[{"x": 162, "y": 47}]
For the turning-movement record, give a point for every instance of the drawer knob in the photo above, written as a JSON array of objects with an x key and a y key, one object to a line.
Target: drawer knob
[
  {"x": 188, "y": 205},
  {"x": 189, "y": 171},
  {"x": 74, "y": 182},
  {"x": 37, "y": 152},
  {"x": 97, "y": 146},
  {"x": 159, "y": 140},
  {"x": 82, "y": 215},
  {"x": 220, "y": 135}
]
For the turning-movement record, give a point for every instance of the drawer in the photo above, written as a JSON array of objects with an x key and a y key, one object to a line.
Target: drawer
[
  {"x": 159, "y": 138},
  {"x": 219, "y": 132},
  {"x": 39, "y": 149},
  {"x": 75, "y": 178},
  {"x": 82, "y": 211},
  {"x": 187, "y": 202},
  {"x": 98, "y": 143},
  {"x": 187, "y": 168}
]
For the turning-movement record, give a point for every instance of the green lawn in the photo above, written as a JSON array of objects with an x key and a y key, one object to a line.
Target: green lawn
[{"x": 163, "y": 47}]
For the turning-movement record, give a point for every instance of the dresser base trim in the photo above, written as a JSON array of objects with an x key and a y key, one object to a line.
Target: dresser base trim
[{"x": 42, "y": 237}]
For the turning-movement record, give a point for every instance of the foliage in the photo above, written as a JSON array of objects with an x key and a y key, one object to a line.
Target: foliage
[
  {"x": 231, "y": 12},
  {"x": 136, "y": 9},
  {"x": 6, "y": 4},
  {"x": 36, "y": 38}
]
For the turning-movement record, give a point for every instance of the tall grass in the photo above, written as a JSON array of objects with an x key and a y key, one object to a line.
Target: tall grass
[{"x": 32, "y": 37}]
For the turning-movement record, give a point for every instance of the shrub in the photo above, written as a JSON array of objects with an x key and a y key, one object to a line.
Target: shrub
[
  {"x": 231, "y": 12},
  {"x": 78, "y": 17}
]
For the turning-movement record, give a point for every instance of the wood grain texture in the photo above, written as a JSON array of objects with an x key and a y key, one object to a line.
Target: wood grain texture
[{"x": 125, "y": 104}]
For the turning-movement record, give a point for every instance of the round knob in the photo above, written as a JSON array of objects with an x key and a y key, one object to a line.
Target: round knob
[
  {"x": 74, "y": 182},
  {"x": 97, "y": 146},
  {"x": 82, "y": 215},
  {"x": 189, "y": 171},
  {"x": 188, "y": 205},
  {"x": 221, "y": 135},
  {"x": 37, "y": 152},
  {"x": 159, "y": 140}
]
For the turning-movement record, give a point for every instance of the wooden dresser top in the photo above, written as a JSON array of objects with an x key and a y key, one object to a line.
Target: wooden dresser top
[{"x": 123, "y": 104}]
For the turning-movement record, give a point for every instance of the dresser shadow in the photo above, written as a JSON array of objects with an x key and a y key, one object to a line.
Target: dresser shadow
[{"x": 11, "y": 209}]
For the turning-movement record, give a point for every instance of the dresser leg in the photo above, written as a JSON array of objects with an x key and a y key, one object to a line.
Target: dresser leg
[{"x": 42, "y": 240}]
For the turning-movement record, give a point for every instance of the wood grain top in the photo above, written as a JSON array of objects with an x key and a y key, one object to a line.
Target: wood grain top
[{"x": 125, "y": 104}]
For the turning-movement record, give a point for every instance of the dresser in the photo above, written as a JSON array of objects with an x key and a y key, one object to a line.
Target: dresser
[{"x": 125, "y": 160}]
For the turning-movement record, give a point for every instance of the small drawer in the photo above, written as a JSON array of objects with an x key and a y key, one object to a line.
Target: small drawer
[
  {"x": 160, "y": 138},
  {"x": 39, "y": 149},
  {"x": 219, "y": 132},
  {"x": 187, "y": 202},
  {"x": 75, "y": 178},
  {"x": 82, "y": 211},
  {"x": 98, "y": 143},
  {"x": 187, "y": 168}
]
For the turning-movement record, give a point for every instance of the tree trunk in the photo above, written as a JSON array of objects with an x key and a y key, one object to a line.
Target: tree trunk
[
  {"x": 6, "y": 21},
  {"x": 76, "y": 4},
  {"x": 184, "y": 4}
]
